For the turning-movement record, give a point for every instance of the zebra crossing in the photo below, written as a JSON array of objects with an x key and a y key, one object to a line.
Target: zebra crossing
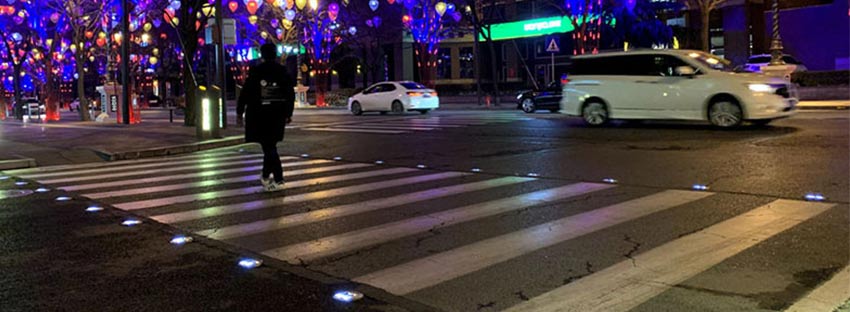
[
  {"x": 408, "y": 124},
  {"x": 458, "y": 241}
]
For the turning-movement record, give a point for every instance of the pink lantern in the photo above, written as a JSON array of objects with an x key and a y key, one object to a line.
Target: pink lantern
[
  {"x": 333, "y": 11},
  {"x": 252, "y": 6},
  {"x": 233, "y": 6}
]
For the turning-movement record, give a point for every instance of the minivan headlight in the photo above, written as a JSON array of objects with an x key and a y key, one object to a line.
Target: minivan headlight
[{"x": 760, "y": 87}]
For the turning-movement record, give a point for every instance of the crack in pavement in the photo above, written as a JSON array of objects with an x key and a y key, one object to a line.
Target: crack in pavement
[
  {"x": 635, "y": 247},
  {"x": 522, "y": 296},
  {"x": 485, "y": 305},
  {"x": 432, "y": 232},
  {"x": 587, "y": 267}
]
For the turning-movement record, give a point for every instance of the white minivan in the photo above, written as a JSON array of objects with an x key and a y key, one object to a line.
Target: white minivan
[{"x": 672, "y": 84}]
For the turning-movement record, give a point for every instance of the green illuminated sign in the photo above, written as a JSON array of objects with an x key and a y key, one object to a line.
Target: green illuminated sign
[{"x": 533, "y": 27}]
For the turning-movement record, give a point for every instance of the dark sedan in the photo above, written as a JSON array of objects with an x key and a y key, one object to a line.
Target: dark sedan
[{"x": 532, "y": 100}]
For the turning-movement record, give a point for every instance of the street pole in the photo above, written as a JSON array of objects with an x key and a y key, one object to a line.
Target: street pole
[
  {"x": 776, "y": 43},
  {"x": 125, "y": 61},
  {"x": 221, "y": 76},
  {"x": 476, "y": 62},
  {"x": 553, "y": 67}
]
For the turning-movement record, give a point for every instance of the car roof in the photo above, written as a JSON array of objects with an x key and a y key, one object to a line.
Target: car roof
[{"x": 636, "y": 52}]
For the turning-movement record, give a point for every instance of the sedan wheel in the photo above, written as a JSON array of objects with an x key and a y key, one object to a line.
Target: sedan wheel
[
  {"x": 595, "y": 114},
  {"x": 397, "y": 107},
  {"x": 356, "y": 109},
  {"x": 528, "y": 105},
  {"x": 725, "y": 114}
]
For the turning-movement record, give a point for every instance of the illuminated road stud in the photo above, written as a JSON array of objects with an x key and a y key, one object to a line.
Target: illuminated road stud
[
  {"x": 181, "y": 239},
  {"x": 21, "y": 183},
  {"x": 250, "y": 263},
  {"x": 379, "y": 162},
  {"x": 131, "y": 222},
  {"x": 305, "y": 155},
  {"x": 347, "y": 296},
  {"x": 3, "y": 178},
  {"x": 814, "y": 197},
  {"x": 475, "y": 169},
  {"x": 533, "y": 174},
  {"x": 609, "y": 181},
  {"x": 63, "y": 198},
  {"x": 42, "y": 190},
  {"x": 94, "y": 209},
  {"x": 699, "y": 187},
  {"x": 337, "y": 158},
  {"x": 421, "y": 166}
]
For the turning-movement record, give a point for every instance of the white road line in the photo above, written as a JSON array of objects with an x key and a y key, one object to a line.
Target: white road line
[
  {"x": 828, "y": 296},
  {"x": 448, "y": 265},
  {"x": 114, "y": 164},
  {"x": 203, "y": 166},
  {"x": 267, "y": 225},
  {"x": 351, "y": 130},
  {"x": 384, "y": 127},
  {"x": 163, "y": 162},
  {"x": 327, "y": 246},
  {"x": 201, "y": 174},
  {"x": 277, "y": 201},
  {"x": 248, "y": 178},
  {"x": 629, "y": 283},
  {"x": 165, "y": 201},
  {"x": 433, "y": 125}
]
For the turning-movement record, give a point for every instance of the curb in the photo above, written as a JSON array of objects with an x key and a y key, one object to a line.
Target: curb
[
  {"x": 17, "y": 163},
  {"x": 171, "y": 150}
]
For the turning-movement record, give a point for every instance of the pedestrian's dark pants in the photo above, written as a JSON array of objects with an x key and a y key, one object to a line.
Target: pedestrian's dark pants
[{"x": 271, "y": 161}]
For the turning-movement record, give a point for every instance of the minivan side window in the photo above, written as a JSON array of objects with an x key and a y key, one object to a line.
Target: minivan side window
[
  {"x": 387, "y": 87},
  {"x": 618, "y": 65},
  {"x": 665, "y": 65}
]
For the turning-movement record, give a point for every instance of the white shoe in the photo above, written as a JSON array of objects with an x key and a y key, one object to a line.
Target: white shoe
[
  {"x": 266, "y": 182},
  {"x": 274, "y": 186}
]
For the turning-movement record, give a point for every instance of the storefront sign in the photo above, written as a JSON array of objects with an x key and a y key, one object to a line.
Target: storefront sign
[{"x": 530, "y": 28}]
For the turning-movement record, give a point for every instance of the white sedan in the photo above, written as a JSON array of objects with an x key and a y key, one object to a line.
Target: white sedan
[{"x": 394, "y": 96}]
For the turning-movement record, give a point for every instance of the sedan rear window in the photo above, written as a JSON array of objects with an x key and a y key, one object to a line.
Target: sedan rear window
[{"x": 412, "y": 86}]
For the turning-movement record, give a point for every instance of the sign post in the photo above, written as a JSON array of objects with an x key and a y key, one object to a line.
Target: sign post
[{"x": 552, "y": 47}]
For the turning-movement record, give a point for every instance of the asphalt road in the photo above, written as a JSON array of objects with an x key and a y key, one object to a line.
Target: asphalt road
[{"x": 470, "y": 211}]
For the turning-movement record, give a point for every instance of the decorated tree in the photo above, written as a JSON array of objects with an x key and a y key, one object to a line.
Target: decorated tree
[
  {"x": 428, "y": 22},
  {"x": 83, "y": 19},
  {"x": 369, "y": 26},
  {"x": 188, "y": 18},
  {"x": 17, "y": 37},
  {"x": 321, "y": 35}
]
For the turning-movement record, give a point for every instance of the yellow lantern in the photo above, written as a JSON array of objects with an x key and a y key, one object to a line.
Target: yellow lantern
[
  {"x": 252, "y": 19},
  {"x": 153, "y": 60},
  {"x": 155, "y": 51},
  {"x": 314, "y": 4},
  {"x": 287, "y": 24},
  {"x": 147, "y": 27},
  {"x": 264, "y": 35},
  {"x": 300, "y": 4}
]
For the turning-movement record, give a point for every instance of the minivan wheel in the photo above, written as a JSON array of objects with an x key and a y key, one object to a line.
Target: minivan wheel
[
  {"x": 595, "y": 114},
  {"x": 356, "y": 109},
  {"x": 725, "y": 114},
  {"x": 397, "y": 107},
  {"x": 528, "y": 105}
]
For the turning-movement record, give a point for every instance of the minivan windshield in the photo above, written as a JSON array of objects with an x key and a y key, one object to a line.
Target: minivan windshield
[{"x": 711, "y": 61}]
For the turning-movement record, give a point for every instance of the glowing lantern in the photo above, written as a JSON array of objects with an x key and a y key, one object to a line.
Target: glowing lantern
[
  {"x": 352, "y": 30},
  {"x": 314, "y": 4},
  {"x": 155, "y": 51},
  {"x": 450, "y": 7},
  {"x": 89, "y": 34},
  {"x": 175, "y": 21},
  {"x": 233, "y": 6},
  {"x": 333, "y": 11},
  {"x": 252, "y": 19},
  {"x": 252, "y": 6},
  {"x": 345, "y": 2},
  {"x": 274, "y": 22},
  {"x": 147, "y": 27},
  {"x": 373, "y": 4},
  {"x": 300, "y": 4},
  {"x": 117, "y": 37},
  {"x": 101, "y": 35},
  {"x": 440, "y": 7},
  {"x": 197, "y": 25},
  {"x": 153, "y": 60},
  {"x": 54, "y": 18},
  {"x": 289, "y": 14},
  {"x": 201, "y": 41},
  {"x": 100, "y": 42},
  {"x": 376, "y": 21},
  {"x": 169, "y": 12},
  {"x": 264, "y": 35},
  {"x": 390, "y": 1},
  {"x": 287, "y": 24}
]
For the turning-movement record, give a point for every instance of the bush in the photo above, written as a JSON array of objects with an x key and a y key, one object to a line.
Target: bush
[
  {"x": 821, "y": 78},
  {"x": 339, "y": 97}
]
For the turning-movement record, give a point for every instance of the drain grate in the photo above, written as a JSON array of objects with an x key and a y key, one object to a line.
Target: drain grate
[{"x": 4, "y": 194}]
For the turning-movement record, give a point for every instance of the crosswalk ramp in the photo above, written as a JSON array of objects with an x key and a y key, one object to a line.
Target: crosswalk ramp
[
  {"x": 392, "y": 125},
  {"x": 464, "y": 241}
]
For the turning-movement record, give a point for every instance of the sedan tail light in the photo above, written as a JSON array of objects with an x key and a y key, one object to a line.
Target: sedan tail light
[{"x": 414, "y": 93}]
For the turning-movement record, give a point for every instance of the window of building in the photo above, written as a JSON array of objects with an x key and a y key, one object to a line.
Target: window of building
[
  {"x": 467, "y": 67},
  {"x": 444, "y": 63}
]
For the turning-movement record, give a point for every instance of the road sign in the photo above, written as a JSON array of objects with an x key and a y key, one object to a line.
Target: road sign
[{"x": 553, "y": 46}]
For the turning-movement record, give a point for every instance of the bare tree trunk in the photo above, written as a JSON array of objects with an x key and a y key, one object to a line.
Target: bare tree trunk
[
  {"x": 704, "y": 29},
  {"x": 189, "y": 86},
  {"x": 81, "y": 86},
  {"x": 19, "y": 105}
]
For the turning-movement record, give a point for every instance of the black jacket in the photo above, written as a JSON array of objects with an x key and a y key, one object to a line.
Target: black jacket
[{"x": 267, "y": 99}]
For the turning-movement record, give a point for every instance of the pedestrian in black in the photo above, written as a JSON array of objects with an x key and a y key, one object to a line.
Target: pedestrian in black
[{"x": 267, "y": 101}]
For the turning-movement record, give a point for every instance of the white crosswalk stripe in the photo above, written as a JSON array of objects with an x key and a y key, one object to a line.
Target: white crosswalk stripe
[
  {"x": 218, "y": 195},
  {"x": 396, "y": 126}
]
